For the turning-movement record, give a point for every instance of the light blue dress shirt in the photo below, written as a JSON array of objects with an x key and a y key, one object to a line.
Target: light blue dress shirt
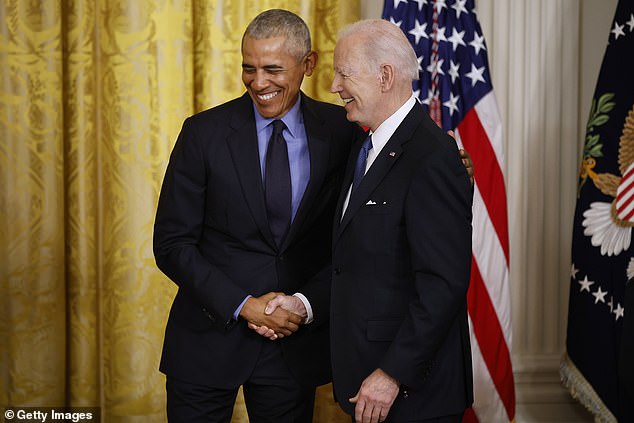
[
  {"x": 298, "y": 159},
  {"x": 297, "y": 143}
]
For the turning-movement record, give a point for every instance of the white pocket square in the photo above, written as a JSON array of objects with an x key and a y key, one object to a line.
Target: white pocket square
[{"x": 370, "y": 203}]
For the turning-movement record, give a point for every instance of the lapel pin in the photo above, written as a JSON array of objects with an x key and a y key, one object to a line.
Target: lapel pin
[{"x": 392, "y": 153}]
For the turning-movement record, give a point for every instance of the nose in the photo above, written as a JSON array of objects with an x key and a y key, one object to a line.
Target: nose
[
  {"x": 260, "y": 80},
  {"x": 335, "y": 87}
]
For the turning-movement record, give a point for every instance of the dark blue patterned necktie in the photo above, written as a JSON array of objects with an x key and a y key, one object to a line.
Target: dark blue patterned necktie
[
  {"x": 359, "y": 169},
  {"x": 277, "y": 184}
]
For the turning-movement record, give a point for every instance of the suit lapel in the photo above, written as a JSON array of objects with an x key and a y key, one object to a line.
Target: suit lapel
[
  {"x": 243, "y": 146},
  {"x": 388, "y": 156},
  {"x": 318, "y": 138},
  {"x": 347, "y": 181},
  {"x": 381, "y": 166}
]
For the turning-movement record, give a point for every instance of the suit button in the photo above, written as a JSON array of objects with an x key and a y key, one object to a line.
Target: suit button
[
  {"x": 209, "y": 315},
  {"x": 336, "y": 271}
]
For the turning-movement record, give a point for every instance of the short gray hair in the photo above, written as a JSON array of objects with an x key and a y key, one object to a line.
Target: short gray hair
[
  {"x": 384, "y": 42},
  {"x": 278, "y": 22}
]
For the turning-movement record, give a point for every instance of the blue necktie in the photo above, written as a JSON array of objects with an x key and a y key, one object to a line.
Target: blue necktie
[
  {"x": 277, "y": 184},
  {"x": 359, "y": 169}
]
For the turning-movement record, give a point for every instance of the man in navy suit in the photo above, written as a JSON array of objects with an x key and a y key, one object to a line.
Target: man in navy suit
[
  {"x": 232, "y": 232},
  {"x": 401, "y": 244}
]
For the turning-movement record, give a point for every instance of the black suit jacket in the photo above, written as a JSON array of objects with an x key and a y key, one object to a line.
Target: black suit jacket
[
  {"x": 212, "y": 238},
  {"x": 401, "y": 263}
]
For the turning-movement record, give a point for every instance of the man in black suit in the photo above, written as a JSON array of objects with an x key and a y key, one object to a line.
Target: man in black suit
[
  {"x": 401, "y": 244},
  {"x": 245, "y": 212}
]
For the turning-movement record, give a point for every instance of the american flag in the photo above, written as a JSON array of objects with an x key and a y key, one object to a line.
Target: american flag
[{"x": 455, "y": 85}]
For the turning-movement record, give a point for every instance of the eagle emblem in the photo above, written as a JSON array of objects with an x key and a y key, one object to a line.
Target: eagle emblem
[{"x": 610, "y": 224}]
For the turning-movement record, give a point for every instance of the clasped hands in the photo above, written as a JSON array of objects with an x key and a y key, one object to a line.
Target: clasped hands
[{"x": 274, "y": 315}]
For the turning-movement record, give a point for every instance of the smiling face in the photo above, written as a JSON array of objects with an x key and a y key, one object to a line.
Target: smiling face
[
  {"x": 357, "y": 85},
  {"x": 272, "y": 75}
]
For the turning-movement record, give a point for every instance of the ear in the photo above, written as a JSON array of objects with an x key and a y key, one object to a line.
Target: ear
[
  {"x": 311, "y": 62},
  {"x": 386, "y": 77}
]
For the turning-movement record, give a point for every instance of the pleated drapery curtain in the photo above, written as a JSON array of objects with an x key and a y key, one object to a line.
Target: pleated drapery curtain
[{"x": 92, "y": 96}]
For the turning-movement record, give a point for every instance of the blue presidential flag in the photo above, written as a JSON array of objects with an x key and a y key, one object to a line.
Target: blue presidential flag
[{"x": 602, "y": 250}]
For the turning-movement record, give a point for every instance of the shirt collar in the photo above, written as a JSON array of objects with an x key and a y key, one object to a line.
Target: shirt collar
[
  {"x": 384, "y": 132},
  {"x": 293, "y": 119}
]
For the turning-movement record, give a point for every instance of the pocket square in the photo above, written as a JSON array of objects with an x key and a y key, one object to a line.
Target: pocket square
[{"x": 370, "y": 203}]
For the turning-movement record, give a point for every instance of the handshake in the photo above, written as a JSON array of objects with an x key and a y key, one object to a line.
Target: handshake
[{"x": 274, "y": 315}]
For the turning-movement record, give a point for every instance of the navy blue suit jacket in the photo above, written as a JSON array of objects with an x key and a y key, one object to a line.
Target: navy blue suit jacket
[{"x": 401, "y": 263}]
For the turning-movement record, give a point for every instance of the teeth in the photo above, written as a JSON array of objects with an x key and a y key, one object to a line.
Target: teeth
[
  {"x": 267, "y": 96},
  {"x": 347, "y": 100}
]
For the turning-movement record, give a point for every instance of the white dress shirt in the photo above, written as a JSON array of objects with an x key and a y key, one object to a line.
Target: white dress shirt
[{"x": 381, "y": 136}]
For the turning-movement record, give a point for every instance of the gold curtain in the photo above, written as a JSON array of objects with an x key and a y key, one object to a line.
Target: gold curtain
[{"x": 92, "y": 96}]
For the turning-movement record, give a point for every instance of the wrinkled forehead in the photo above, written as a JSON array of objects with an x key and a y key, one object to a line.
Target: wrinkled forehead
[
  {"x": 349, "y": 55},
  {"x": 279, "y": 45},
  {"x": 265, "y": 46}
]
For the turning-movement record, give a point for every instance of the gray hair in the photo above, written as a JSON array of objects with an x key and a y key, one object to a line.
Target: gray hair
[
  {"x": 384, "y": 42},
  {"x": 281, "y": 23}
]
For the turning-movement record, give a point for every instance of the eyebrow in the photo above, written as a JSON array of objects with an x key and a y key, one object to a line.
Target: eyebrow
[{"x": 266, "y": 67}]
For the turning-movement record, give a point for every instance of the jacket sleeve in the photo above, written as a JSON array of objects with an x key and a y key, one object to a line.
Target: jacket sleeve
[
  {"x": 437, "y": 216},
  {"x": 178, "y": 229}
]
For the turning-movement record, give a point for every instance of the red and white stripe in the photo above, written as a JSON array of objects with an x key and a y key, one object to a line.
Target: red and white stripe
[
  {"x": 480, "y": 133},
  {"x": 434, "y": 102},
  {"x": 625, "y": 196}
]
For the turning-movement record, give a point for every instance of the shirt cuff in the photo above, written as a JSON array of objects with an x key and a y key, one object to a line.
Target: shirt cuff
[
  {"x": 236, "y": 313},
  {"x": 309, "y": 309}
]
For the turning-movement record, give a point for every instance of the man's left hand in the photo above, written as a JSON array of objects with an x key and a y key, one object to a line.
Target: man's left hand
[
  {"x": 375, "y": 397},
  {"x": 466, "y": 158},
  {"x": 467, "y": 162}
]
